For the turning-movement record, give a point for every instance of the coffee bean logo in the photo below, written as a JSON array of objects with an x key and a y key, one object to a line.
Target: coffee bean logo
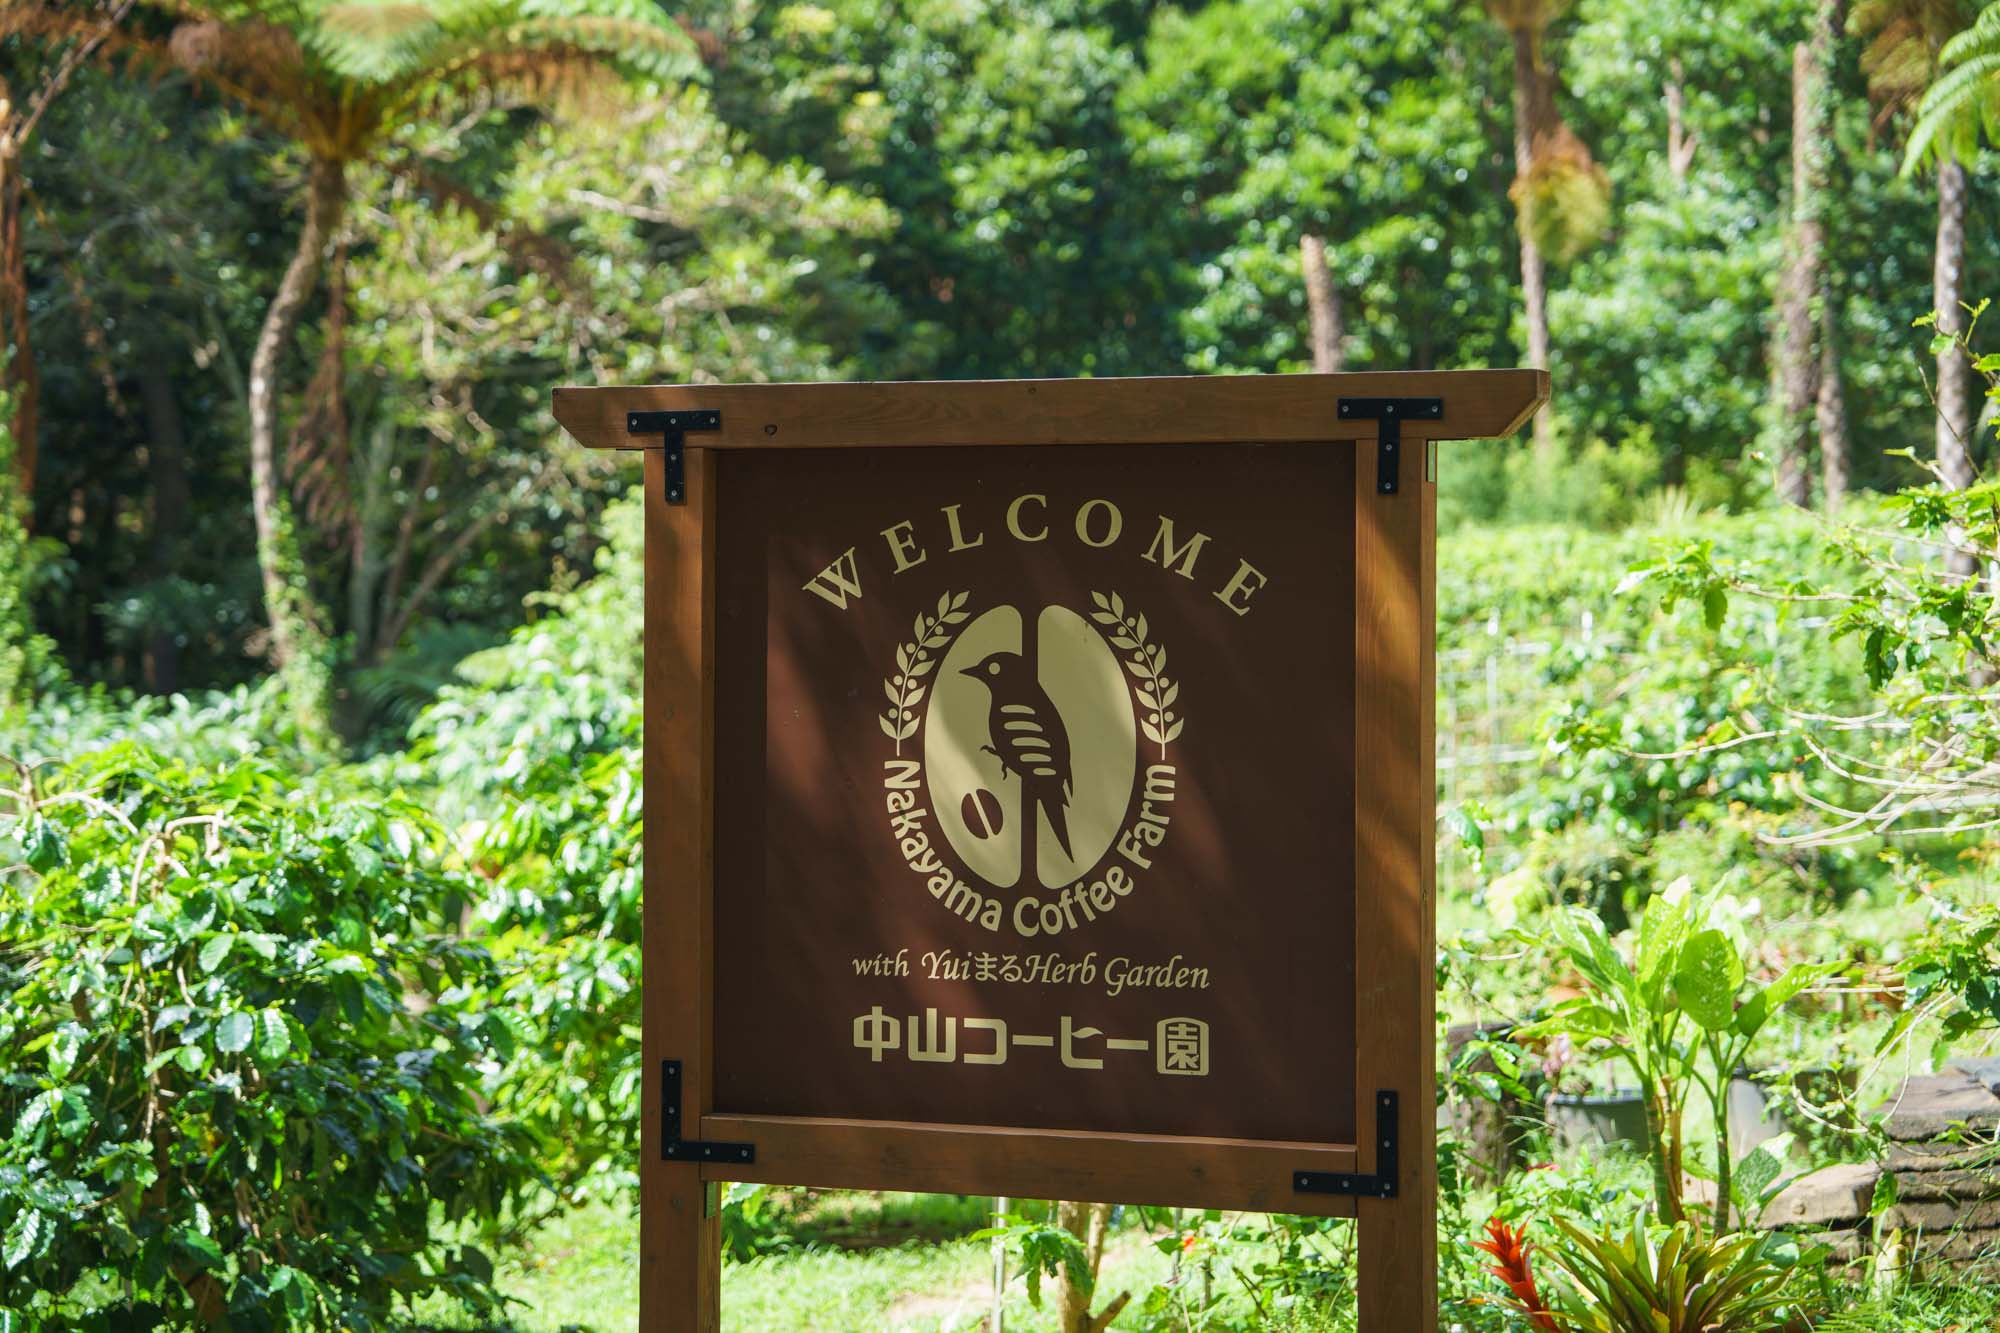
[
  {"x": 982, "y": 813},
  {"x": 1030, "y": 725}
]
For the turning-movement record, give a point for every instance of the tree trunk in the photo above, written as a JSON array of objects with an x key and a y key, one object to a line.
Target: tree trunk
[
  {"x": 372, "y": 457},
  {"x": 1089, "y": 1223},
  {"x": 1665, "y": 1159},
  {"x": 298, "y": 639},
  {"x": 1533, "y": 106},
  {"x": 1954, "y": 373},
  {"x": 166, "y": 457},
  {"x": 1681, "y": 142},
  {"x": 1830, "y": 416},
  {"x": 18, "y": 123},
  {"x": 1796, "y": 368},
  {"x": 1323, "y": 304},
  {"x": 1954, "y": 380},
  {"x": 24, "y": 379}
]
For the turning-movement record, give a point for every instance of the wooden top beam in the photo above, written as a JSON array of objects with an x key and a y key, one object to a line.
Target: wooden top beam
[{"x": 1178, "y": 409}]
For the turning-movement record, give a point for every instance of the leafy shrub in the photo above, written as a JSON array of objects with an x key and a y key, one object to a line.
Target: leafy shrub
[
  {"x": 1673, "y": 1000},
  {"x": 239, "y": 1058},
  {"x": 536, "y": 757},
  {"x": 26, "y": 660},
  {"x": 1677, "y": 1282}
]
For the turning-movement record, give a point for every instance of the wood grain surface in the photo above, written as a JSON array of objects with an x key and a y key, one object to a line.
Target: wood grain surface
[
  {"x": 1394, "y": 588},
  {"x": 680, "y": 1240},
  {"x": 1032, "y": 1163},
  {"x": 1192, "y": 409}
]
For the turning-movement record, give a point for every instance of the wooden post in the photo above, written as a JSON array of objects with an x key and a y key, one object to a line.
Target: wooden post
[
  {"x": 680, "y": 1241},
  {"x": 1395, "y": 818}
]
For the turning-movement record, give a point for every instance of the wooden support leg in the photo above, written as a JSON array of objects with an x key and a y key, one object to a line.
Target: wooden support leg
[
  {"x": 680, "y": 1242},
  {"x": 1395, "y": 874}
]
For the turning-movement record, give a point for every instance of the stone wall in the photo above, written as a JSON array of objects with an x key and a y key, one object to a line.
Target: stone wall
[{"x": 1945, "y": 1160}]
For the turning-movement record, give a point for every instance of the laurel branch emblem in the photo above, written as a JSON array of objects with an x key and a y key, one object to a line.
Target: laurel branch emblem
[
  {"x": 1148, "y": 665},
  {"x": 933, "y": 632},
  {"x": 915, "y": 660}
]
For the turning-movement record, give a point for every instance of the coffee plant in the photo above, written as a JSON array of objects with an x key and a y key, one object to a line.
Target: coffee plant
[{"x": 240, "y": 1055}]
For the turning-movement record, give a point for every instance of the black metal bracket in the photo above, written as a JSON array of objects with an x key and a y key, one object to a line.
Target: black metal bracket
[
  {"x": 674, "y": 1148},
  {"x": 1389, "y": 414},
  {"x": 674, "y": 426},
  {"x": 1381, "y": 1185}
]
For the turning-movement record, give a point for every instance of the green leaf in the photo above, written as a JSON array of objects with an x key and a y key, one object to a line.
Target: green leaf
[
  {"x": 1662, "y": 931},
  {"x": 273, "y": 1039},
  {"x": 1582, "y": 1018},
  {"x": 1707, "y": 978},
  {"x": 24, "y": 1237},
  {"x": 233, "y": 1033},
  {"x": 299, "y": 1298},
  {"x": 43, "y": 848},
  {"x": 1757, "y": 1010},
  {"x": 1885, "y": 1194},
  {"x": 71, "y": 1107},
  {"x": 475, "y": 1262},
  {"x": 201, "y": 1249},
  {"x": 64, "y": 1049},
  {"x": 743, "y": 1192},
  {"x": 1754, "y": 1013},
  {"x": 1759, "y": 1170},
  {"x": 214, "y": 950}
]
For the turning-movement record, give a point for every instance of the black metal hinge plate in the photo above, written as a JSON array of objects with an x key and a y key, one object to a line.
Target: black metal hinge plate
[
  {"x": 674, "y": 1148},
  {"x": 674, "y": 426},
  {"x": 1389, "y": 414},
  {"x": 1381, "y": 1185}
]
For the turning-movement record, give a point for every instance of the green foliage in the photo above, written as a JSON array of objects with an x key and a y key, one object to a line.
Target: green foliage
[
  {"x": 1046, "y": 1250},
  {"x": 242, "y": 1056},
  {"x": 1675, "y": 996},
  {"x": 1678, "y": 1282},
  {"x": 1963, "y": 99},
  {"x": 1031, "y": 241},
  {"x": 1359, "y": 123},
  {"x": 25, "y": 662},
  {"x": 536, "y": 756}
]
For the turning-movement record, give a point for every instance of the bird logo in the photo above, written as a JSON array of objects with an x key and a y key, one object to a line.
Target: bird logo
[
  {"x": 1026, "y": 724},
  {"x": 1028, "y": 737}
]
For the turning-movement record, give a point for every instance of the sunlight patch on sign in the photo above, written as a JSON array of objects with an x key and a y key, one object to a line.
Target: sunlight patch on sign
[
  {"x": 1084, "y": 681},
  {"x": 959, "y": 769}
]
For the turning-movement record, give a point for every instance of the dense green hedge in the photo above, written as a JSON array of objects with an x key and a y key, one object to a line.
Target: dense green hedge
[{"x": 240, "y": 1054}]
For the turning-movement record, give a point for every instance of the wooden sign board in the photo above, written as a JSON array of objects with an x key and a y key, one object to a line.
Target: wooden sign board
[{"x": 1048, "y": 821}]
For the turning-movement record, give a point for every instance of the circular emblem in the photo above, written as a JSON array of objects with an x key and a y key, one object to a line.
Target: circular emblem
[{"x": 1036, "y": 730}]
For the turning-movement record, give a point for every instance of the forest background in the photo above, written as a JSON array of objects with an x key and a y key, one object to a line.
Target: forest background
[{"x": 318, "y": 639}]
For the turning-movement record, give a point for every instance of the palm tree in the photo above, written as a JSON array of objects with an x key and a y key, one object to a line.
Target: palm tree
[
  {"x": 340, "y": 79},
  {"x": 1905, "y": 62}
]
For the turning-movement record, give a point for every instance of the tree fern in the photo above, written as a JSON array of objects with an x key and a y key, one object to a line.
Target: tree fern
[
  {"x": 1963, "y": 100},
  {"x": 341, "y": 78}
]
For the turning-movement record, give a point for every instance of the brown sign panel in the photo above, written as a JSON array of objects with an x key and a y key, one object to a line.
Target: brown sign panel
[
  {"x": 1039, "y": 796},
  {"x": 1034, "y": 797}
]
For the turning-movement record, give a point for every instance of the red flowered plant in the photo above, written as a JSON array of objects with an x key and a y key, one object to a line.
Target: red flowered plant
[{"x": 1509, "y": 1247}]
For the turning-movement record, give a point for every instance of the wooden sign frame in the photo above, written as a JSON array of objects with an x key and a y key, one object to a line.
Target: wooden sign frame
[{"x": 1381, "y": 422}]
